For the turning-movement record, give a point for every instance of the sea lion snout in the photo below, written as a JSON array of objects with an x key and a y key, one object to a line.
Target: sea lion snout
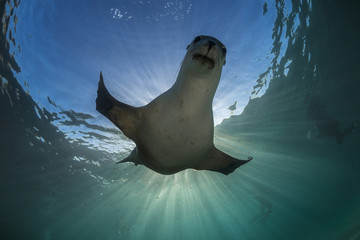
[
  {"x": 221, "y": 46},
  {"x": 208, "y": 41},
  {"x": 210, "y": 44}
]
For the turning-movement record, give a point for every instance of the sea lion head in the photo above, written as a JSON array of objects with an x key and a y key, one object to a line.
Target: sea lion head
[{"x": 207, "y": 53}]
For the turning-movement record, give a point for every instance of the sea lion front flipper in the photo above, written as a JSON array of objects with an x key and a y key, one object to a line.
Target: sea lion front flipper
[
  {"x": 125, "y": 117},
  {"x": 219, "y": 161}
]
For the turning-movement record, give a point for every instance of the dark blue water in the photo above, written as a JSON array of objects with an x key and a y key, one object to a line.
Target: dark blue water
[{"x": 297, "y": 62}]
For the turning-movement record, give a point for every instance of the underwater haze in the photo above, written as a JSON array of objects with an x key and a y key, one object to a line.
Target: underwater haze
[{"x": 289, "y": 96}]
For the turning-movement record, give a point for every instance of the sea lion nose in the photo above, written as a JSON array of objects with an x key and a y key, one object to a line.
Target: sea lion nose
[{"x": 211, "y": 44}]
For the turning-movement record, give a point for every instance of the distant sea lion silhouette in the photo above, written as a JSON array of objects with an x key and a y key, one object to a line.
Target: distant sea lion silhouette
[
  {"x": 233, "y": 107},
  {"x": 175, "y": 131},
  {"x": 325, "y": 125}
]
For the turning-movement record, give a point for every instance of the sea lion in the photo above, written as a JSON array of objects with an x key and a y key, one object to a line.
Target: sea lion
[
  {"x": 175, "y": 131},
  {"x": 325, "y": 125},
  {"x": 232, "y": 107}
]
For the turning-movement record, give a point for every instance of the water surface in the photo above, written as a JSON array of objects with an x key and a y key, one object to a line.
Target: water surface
[{"x": 292, "y": 68}]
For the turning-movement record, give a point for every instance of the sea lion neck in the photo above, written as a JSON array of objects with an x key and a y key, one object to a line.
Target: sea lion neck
[
  {"x": 196, "y": 83},
  {"x": 193, "y": 92}
]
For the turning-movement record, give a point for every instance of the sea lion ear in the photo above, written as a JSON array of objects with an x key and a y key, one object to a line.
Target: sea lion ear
[{"x": 187, "y": 47}]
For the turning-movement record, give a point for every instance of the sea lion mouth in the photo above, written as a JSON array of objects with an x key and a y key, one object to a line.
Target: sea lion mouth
[{"x": 204, "y": 60}]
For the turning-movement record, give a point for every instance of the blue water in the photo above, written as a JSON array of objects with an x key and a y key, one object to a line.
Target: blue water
[{"x": 292, "y": 68}]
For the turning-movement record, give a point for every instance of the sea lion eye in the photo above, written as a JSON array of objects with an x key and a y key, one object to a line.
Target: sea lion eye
[{"x": 197, "y": 39}]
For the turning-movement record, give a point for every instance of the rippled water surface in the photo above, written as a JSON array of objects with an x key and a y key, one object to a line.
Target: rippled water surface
[{"x": 291, "y": 75}]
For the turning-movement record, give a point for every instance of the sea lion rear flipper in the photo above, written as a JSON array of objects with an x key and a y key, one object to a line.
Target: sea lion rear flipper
[
  {"x": 124, "y": 116},
  {"x": 133, "y": 157},
  {"x": 219, "y": 161}
]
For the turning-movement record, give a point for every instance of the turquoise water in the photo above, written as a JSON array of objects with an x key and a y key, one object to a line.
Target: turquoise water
[{"x": 292, "y": 67}]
